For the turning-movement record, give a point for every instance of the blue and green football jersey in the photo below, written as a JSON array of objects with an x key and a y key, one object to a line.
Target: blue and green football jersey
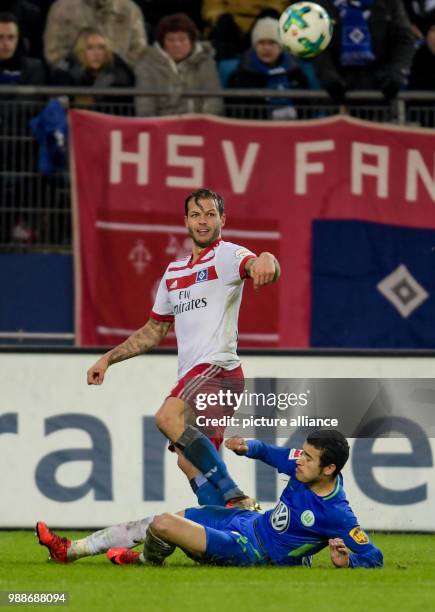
[{"x": 302, "y": 522}]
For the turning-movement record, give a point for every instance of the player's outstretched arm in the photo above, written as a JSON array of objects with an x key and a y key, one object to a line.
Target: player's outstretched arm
[
  {"x": 144, "y": 339},
  {"x": 279, "y": 457},
  {"x": 263, "y": 269}
]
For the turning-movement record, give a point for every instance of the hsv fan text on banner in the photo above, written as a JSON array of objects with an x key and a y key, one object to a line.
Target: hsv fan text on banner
[{"x": 347, "y": 206}]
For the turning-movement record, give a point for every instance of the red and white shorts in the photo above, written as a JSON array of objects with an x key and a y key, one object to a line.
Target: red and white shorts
[{"x": 207, "y": 379}]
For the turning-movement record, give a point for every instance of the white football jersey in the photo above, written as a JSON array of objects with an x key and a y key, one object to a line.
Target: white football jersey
[{"x": 204, "y": 299}]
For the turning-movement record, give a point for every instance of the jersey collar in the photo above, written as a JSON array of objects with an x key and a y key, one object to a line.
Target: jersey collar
[
  {"x": 334, "y": 492},
  {"x": 204, "y": 254}
]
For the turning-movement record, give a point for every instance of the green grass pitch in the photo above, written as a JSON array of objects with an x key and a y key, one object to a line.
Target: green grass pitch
[{"x": 406, "y": 583}]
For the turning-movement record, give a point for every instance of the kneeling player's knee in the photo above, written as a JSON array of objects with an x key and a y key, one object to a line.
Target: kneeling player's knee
[
  {"x": 182, "y": 462},
  {"x": 161, "y": 524},
  {"x": 163, "y": 420}
]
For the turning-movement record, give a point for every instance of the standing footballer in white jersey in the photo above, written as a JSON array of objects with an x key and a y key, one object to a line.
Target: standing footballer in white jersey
[{"x": 201, "y": 295}]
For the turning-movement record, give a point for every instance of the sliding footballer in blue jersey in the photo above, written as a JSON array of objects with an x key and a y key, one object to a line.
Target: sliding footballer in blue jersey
[{"x": 312, "y": 513}]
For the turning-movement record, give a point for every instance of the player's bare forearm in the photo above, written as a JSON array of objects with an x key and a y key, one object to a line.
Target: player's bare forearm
[
  {"x": 263, "y": 270},
  {"x": 144, "y": 339}
]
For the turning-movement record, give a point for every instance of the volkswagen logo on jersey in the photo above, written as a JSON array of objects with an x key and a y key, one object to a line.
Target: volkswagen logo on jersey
[
  {"x": 280, "y": 517},
  {"x": 201, "y": 275},
  {"x": 307, "y": 518}
]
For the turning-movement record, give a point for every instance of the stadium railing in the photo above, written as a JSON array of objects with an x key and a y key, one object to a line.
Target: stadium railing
[{"x": 35, "y": 213}]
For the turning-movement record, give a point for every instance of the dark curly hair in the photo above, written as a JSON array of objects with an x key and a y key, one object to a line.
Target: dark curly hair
[
  {"x": 333, "y": 446},
  {"x": 178, "y": 22}
]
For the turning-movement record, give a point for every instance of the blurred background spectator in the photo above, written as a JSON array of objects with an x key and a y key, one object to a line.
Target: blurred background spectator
[
  {"x": 371, "y": 49},
  {"x": 423, "y": 74},
  {"x": 154, "y": 10},
  {"x": 92, "y": 63},
  {"x": 120, "y": 20},
  {"x": 177, "y": 62},
  {"x": 421, "y": 14},
  {"x": 30, "y": 22},
  {"x": 423, "y": 67},
  {"x": 230, "y": 22},
  {"x": 16, "y": 68},
  {"x": 267, "y": 66}
]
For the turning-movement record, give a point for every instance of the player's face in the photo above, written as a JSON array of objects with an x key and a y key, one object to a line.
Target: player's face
[
  {"x": 308, "y": 465},
  {"x": 203, "y": 222}
]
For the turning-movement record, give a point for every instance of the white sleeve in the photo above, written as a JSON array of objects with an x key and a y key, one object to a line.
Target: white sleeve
[
  {"x": 230, "y": 263},
  {"x": 162, "y": 309}
]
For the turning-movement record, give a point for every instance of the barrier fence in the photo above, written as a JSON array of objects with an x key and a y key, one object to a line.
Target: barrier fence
[
  {"x": 86, "y": 457},
  {"x": 35, "y": 212}
]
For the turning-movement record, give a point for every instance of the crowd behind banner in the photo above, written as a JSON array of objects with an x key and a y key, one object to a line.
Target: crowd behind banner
[{"x": 382, "y": 45}]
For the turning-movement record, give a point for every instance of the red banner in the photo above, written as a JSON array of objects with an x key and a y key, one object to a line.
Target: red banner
[{"x": 131, "y": 176}]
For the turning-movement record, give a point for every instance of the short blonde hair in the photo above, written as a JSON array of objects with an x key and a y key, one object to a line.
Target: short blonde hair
[{"x": 79, "y": 48}]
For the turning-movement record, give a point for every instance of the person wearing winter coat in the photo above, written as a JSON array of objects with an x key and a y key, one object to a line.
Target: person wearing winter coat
[
  {"x": 422, "y": 76},
  {"x": 30, "y": 22},
  {"x": 371, "y": 49},
  {"x": 18, "y": 150},
  {"x": 16, "y": 67},
  {"x": 423, "y": 67},
  {"x": 177, "y": 62},
  {"x": 266, "y": 65},
  {"x": 231, "y": 21},
  {"x": 93, "y": 64},
  {"x": 120, "y": 21}
]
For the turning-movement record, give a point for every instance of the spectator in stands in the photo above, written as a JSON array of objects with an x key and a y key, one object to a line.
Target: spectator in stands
[
  {"x": 177, "y": 62},
  {"x": 423, "y": 67},
  {"x": 92, "y": 63},
  {"x": 371, "y": 49},
  {"x": 29, "y": 21},
  {"x": 154, "y": 10},
  {"x": 422, "y": 76},
  {"x": 267, "y": 66},
  {"x": 420, "y": 13},
  {"x": 16, "y": 67},
  {"x": 120, "y": 20},
  {"x": 230, "y": 22}
]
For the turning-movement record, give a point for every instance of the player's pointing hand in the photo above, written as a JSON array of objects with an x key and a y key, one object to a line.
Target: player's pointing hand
[
  {"x": 263, "y": 269},
  {"x": 339, "y": 553},
  {"x": 95, "y": 374},
  {"x": 237, "y": 445}
]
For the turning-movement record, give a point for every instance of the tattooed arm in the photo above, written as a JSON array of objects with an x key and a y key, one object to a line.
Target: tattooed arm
[{"x": 144, "y": 339}]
